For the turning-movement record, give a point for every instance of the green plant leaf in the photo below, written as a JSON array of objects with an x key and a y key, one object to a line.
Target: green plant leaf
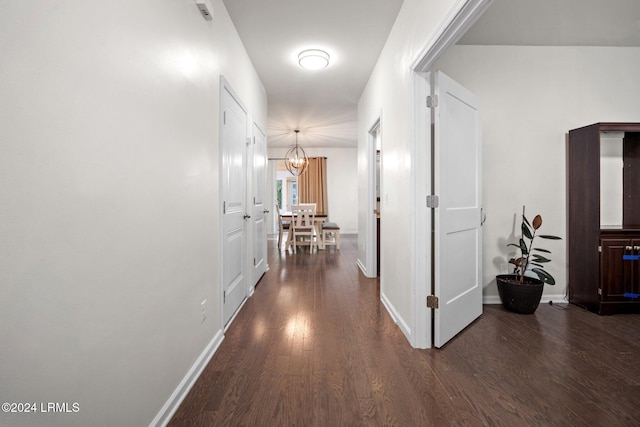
[
  {"x": 540, "y": 258},
  {"x": 523, "y": 247},
  {"x": 525, "y": 220},
  {"x": 544, "y": 276},
  {"x": 526, "y": 232},
  {"x": 514, "y": 244},
  {"x": 542, "y": 250},
  {"x": 547, "y": 236}
]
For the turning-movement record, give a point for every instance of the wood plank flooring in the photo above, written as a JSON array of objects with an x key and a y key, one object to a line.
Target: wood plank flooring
[{"x": 315, "y": 347}]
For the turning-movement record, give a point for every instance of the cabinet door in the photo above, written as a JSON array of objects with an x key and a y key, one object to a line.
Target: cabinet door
[
  {"x": 616, "y": 273},
  {"x": 634, "y": 285}
]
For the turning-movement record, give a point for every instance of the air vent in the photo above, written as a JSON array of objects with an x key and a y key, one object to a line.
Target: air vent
[{"x": 204, "y": 10}]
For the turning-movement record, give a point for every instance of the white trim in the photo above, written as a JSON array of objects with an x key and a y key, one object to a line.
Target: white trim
[
  {"x": 397, "y": 319},
  {"x": 460, "y": 18},
  {"x": 421, "y": 216},
  {"x": 171, "y": 405},
  {"x": 347, "y": 232},
  {"x": 362, "y": 267}
]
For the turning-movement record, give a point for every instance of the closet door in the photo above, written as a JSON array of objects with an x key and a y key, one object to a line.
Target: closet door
[
  {"x": 259, "y": 207},
  {"x": 233, "y": 141}
]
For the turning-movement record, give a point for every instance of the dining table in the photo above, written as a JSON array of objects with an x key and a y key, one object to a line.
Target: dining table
[{"x": 317, "y": 225}]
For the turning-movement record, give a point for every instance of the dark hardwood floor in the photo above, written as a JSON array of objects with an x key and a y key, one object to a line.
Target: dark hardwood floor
[{"x": 315, "y": 347}]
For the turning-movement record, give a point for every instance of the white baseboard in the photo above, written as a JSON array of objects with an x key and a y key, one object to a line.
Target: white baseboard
[
  {"x": 406, "y": 330},
  {"x": 495, "y": 299},
  {"x": 178, "y": 395},
  {"x": 361, "y": 267}
]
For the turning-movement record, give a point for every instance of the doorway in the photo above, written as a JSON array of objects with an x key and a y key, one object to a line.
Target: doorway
[
  {"x": 436, "y": 121},
  {"x": 377, "y": 142},
  {"x": 373, "y": 249},
  {"x": 284, "y": 190}
]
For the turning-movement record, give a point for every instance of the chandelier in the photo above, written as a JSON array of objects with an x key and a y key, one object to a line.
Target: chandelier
[{"x": 296, "y": 159}]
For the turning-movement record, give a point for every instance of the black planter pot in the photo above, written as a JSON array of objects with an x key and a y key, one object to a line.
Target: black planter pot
[{"x": 519, "y": 298}]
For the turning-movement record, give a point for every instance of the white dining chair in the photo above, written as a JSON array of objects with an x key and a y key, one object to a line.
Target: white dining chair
[
  {"x": 303, "y": 226},
  {"x": 283, "y": 226}
]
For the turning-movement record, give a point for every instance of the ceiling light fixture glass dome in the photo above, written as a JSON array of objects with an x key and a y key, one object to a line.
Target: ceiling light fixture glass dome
[{"x": 313, "y": 59}]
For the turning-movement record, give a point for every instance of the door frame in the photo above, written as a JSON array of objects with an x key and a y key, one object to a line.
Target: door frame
[
  {"x": 370, "y": 267},
  {"x": 460, "y": 18}
]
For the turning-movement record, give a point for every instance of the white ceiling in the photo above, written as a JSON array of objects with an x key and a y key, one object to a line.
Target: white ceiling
[
  {"x": 323, "y": 104},
  {"x": 558, "y": 23}
]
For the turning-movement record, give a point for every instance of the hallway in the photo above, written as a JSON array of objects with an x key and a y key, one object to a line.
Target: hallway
[{"x": 315, "y": 347}]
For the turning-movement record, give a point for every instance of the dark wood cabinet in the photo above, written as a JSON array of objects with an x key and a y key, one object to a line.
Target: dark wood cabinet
[
  {"x": 619, "y": 271},
  {"x": 604, "y": 265}
]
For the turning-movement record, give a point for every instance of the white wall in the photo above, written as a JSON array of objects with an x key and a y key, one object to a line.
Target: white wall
[
  {"x": 342, "y": 183},
  {"x": 109, "y": 212},
  {"x": 389, "y": 94},
  {"x": 531, "y": 97}
]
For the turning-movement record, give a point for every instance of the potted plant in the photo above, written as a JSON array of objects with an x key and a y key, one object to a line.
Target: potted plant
[{"x": 520, "y": 292}]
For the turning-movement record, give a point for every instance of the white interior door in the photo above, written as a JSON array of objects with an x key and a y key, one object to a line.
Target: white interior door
[
  {"x": 457, "y": 219},
  {"x": 259, "y": 209},
  {"x": 233, "y": 142}
]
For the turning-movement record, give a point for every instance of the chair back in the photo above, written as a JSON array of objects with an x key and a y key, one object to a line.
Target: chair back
[
  {"x": 304, "y": 214},
  {"x": 281, "y": 223}
]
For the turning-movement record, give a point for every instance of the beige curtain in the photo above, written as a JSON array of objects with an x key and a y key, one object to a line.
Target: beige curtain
[{"x": 312, "y": 185}]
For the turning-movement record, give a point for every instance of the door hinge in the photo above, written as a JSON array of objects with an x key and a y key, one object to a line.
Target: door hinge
[
  {"x": 224, "y": 296},
  {"x": 254, "y": 262},
  {"x": 599, "y": 248},
  {"x": 248, "y": 141},
  {"x": 433, "y": 201},
  {"x": 254, "y": 140},
  {"x": 224, "y": 207},
  {"x": 224, "y": 117},
  {"x": 432, "y": 101},
  {"x": 432, "y": 301},
  {"x": 599, "y": 291}
]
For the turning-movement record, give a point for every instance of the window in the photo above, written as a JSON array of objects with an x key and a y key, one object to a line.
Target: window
[{"x": 292, "y": 192}]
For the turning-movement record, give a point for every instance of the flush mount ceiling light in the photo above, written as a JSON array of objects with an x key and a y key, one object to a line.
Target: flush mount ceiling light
[
  {"x": 313, "y": 59},
  {"x": 296, "y": 159}
]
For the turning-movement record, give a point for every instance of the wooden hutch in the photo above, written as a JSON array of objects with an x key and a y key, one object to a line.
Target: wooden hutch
[{"x": 603, "y": 185}]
